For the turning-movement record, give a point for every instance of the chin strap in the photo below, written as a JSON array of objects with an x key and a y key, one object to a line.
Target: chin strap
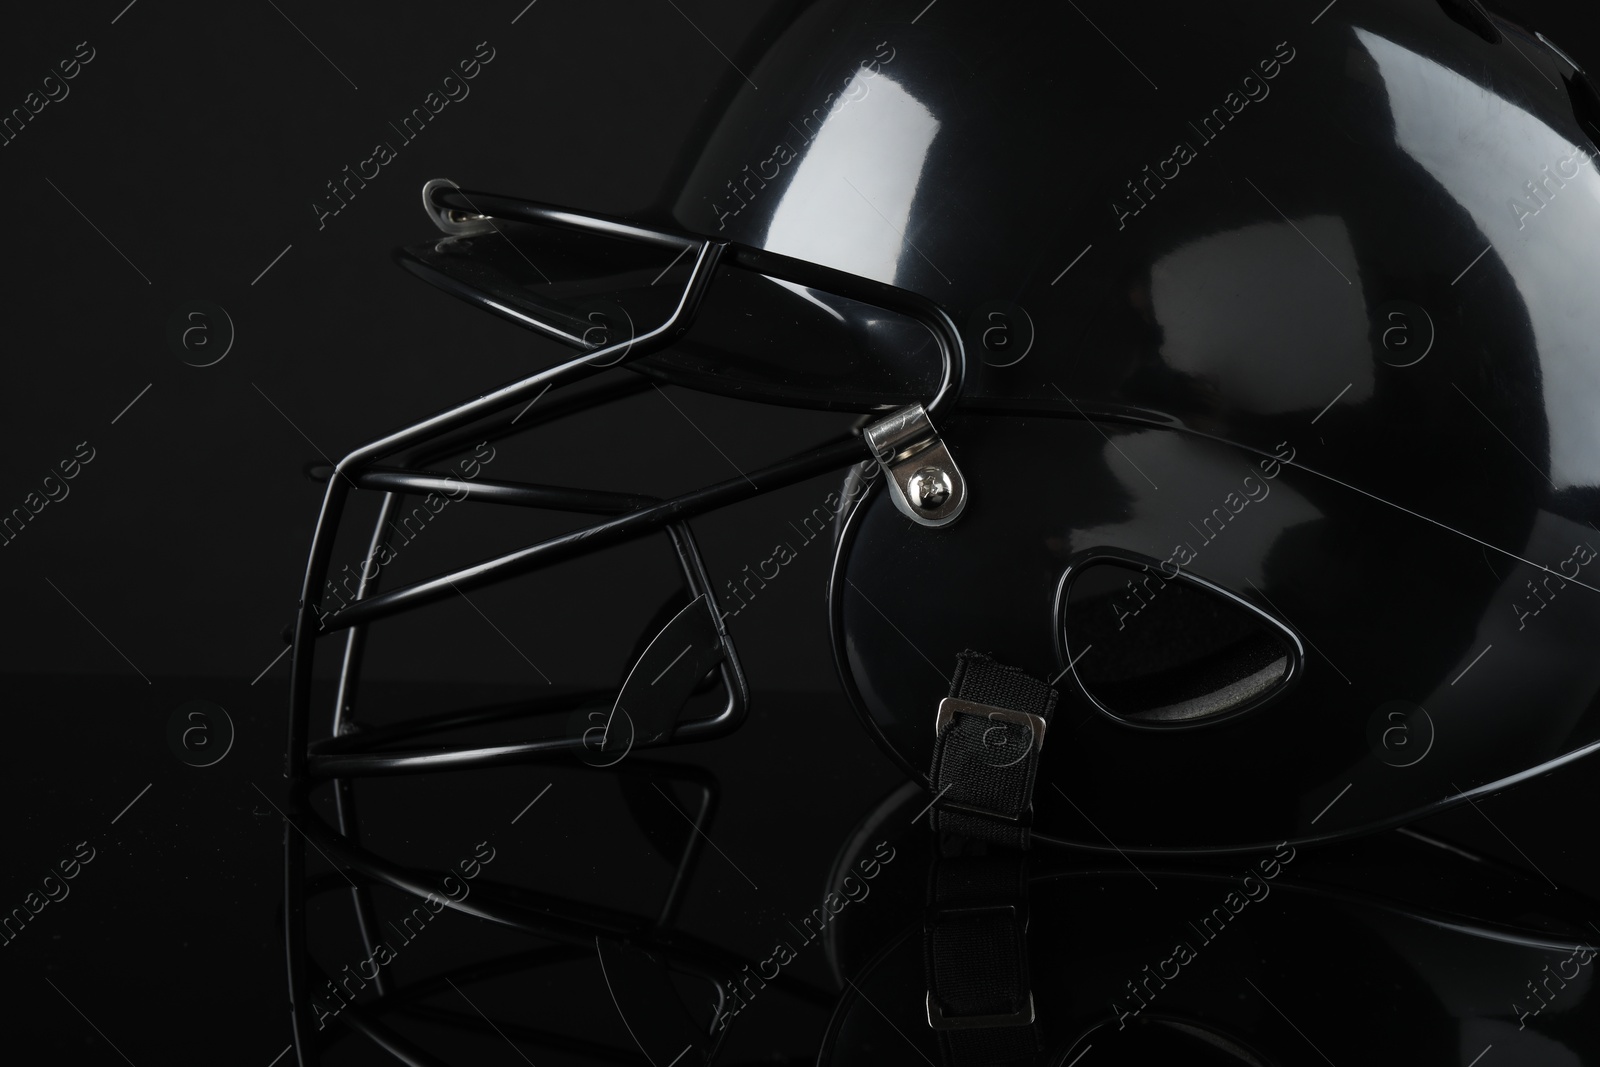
[
  {"x": 975, "y": 950},
  {"x": 990, "y": 732}
]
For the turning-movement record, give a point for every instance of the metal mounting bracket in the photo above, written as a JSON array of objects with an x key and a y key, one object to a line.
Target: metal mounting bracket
[{"x": 924, "y": 481}]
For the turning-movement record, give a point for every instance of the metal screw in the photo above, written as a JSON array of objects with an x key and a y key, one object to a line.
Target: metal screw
[{"x": 929, "y": 488}]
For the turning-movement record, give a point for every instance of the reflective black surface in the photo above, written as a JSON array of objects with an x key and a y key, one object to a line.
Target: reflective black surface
[
  {"x": 186, "y": 886},
  {"x": 1354, "y": 230},
  {"x": 1401, "y": 943}
]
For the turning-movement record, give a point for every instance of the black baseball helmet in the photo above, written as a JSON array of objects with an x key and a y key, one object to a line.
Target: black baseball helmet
[{"x": 1228, "y": 381}]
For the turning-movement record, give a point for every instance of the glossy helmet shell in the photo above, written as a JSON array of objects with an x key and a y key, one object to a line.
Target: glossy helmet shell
[{"x": 1288, "y": 318}]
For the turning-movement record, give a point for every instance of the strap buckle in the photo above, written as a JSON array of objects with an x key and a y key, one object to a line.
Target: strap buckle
[
  {"x": 950, "y": 707},
  {"x": 938, "y": 1020}
]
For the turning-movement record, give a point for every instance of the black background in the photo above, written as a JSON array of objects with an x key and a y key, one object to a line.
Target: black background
[{"x": 192, "y": 148}]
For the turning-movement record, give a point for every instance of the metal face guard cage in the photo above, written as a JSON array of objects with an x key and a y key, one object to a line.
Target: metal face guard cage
[
  {"x": 924, "y": 483},
  {"x": 905, "y": 442}
]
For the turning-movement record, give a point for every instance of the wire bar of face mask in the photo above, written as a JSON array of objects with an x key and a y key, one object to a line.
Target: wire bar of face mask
[
  {"x": 515, "y": 494},
  {"x": 512, "y": 208},
  {"x": 550, "y": 408},
  {"x": 528, "y": 388},
  {"x": 613, "y": 531},
  {"x": 952, "y": 352}
]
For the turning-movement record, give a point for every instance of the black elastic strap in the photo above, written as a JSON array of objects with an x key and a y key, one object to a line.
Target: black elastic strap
[
  {"x": 975, "y": 953},
  {"x": 984, "y": 764}
]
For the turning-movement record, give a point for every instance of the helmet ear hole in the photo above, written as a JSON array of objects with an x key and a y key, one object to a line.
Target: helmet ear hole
[{"x": 1157, "y": 649}]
